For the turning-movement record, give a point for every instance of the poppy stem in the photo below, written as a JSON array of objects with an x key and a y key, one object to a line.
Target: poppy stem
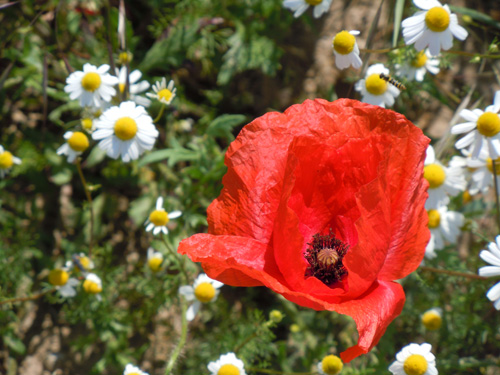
[
  {"x": 495, "y": 182},
  {"x": 89, "y": 198},
  {"x": 182, "y": 340},
  {"x": 452, "y": 273},
  {"x": 28, "y": 298}
]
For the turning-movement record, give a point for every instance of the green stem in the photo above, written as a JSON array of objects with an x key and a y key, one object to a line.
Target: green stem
[
  {"x": 497, "y": 202},
  {"x": 452, "y": 273},
  {"x": 266, "y": 371},
  {"x": 89, "y": 198},
  {"x": 182, "y": 340},
  {"x": 179, "y": 260},
  {"x": 160, "y": 113},
  {"x": 28, "y": 298}
]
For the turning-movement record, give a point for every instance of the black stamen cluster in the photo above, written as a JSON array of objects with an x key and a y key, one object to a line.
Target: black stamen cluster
[{"x": 331, "y": 274}]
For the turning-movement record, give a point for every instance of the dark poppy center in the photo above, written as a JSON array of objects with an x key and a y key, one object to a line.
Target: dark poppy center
[{"x": 325, "y": 254}]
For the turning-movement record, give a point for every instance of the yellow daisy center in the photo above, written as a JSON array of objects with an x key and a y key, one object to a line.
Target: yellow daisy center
[
  {"x": 488, "y": 124},
  {"x": 228, "y": 369},
  {"x": 124, "y": 58},
  {"x": 419, "y": 60},
  {"x": 125, "y": 128},
  {"x": 435, "y": 175},
  {"x": 85, "y": 262},
  {"x": 437, "y": 19},
  {"x": 431, "y": 320},
  {"x": 155, "y": 263},
  {"x": 314, "y": 2},
  {"x": 78, "y": 142},
  {"x": 164, "y": 94},
  {"x": 91, "y": 81},
  {"x": 58, "y": 277},
  {"x": 205, "y": 292},
  {"x": 87, "y": 123},
  {"x": 489, "y": 165},
  {"x": 344, "y": 42},
  {"x": 6, "y": 160},
  {"x": 375, "y": 85},
  {"x": 331, "y": 364},
  {"x": 159, "y": 218},
  {"x": 121, "y": 87},
  {"x": 466, "y": 197},
  {"x": 91, "y": 287},
  {"x": 415, "y": 365},
  {"x": 133, "y": 373},
  {"x": 434, "y": 218}
]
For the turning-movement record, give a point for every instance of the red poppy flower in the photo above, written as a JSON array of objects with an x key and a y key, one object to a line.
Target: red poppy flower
[{"x": 323, "y": 204}]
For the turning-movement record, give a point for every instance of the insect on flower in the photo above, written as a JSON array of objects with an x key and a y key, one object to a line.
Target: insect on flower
[{"x": 392, "y": 81}]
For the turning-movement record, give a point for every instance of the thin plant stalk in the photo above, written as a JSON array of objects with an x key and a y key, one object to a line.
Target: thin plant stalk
[
  {"x": 182, "y": 341},
  {"x": 160, "y": 114},
  {"x": 89, "y": 198},
  {"x": 176, "y": 256},
  {"x": 452, "y": 273},
  {"x": 28, "y": 298},
  {"x": 495, "y": 182}
]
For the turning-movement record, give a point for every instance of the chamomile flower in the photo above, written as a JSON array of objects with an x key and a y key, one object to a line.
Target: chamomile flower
[
  {"x": 87, "y": 124},
  {"x": 346, "y": 50},
  {"x": 227, "y": 364},
  {"x": 330, "y": 365},
  {"x": 76, "y": 144},
  {"x": 158, "y": 219},
  {"x": 434, "y": 26},
  {"x": 80, "y": 262},
  {"x": 443, "y": 181},
  {"x": 204, "y": 290},
  {"x": 300, "y": 6},
  {"x": 163, "y": 92},
  {"x": 483, "y": 127},
  {"x": 432, "y": 319},
  {"x": 59, "y": 277},
  {"x": 93, "y": 285},
  {"x": 135, "y": 87},
  {"x": 421, "y": 64},
  {"x": 92, "y": 87},
  {"x": 492, "y": 256},
  {"x": 444, "y": 226},
  {"x": 7, "y": 160},
  {"x": 415, "y": 359},
  {"x": 481, "y": 172},
  {"x": 133, "y": 370},
  {"x": 374, "y": 90},
  {"x": 125, "y": 131},
  {"x": 155, "y": 259}
]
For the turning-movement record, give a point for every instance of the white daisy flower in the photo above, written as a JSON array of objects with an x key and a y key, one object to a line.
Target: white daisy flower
[
  {"x": 59, "y": 277},
  {"x": 432, "y": 319},
  {"x": 155, "y": 259},
  {"x": 374, "y": 90},
  {"x": 330, "y": 365},
  {"x": 300, "y": 6},
  {"x": 159, "y": 218},
  {"x": 92, "y": 87},
  {"x": 434, "y": 26},
  {"x": 163, "y": 92},
  {"x": 227, "y": 364},
  {"x": 133, "y": 370},
  {"x": 421, "y": 64},
  {"x": 442, "y": 181},
  {"x": 135, "y": 87},
  {"x": 415, "y": 359},
  {"x": 76, "y": 144},
  {"x": 481, "y": 172},
  {"x": 444, "y": 226},
  {"x": 80, "y": 262},
  {"x": 7, "y": 160},
  {"x": 204, "y": 290},
  {"x": 93, "y": 285},
  {"x": 482, "y": 127},
  {"x": 346, "y": 50},
  {"x": 126, "y": 130},
  {"x": 492, "y": 257}
]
